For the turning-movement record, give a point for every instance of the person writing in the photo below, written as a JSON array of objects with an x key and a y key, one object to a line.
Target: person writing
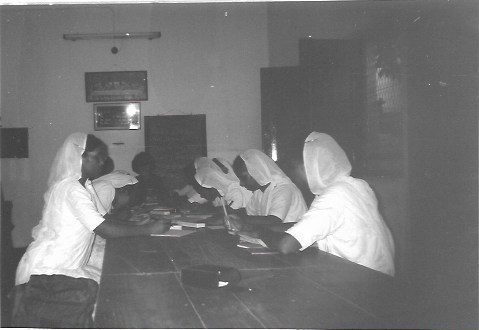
[
  {"x": 54, "y": 289},
  {"x": 275, "y": 199},
  {"x": 218, "y": 183},
  {"x": 343, "y": 219}
]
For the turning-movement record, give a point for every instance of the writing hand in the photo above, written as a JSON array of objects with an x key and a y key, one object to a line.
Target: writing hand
[{"x": 233, "y": 222}]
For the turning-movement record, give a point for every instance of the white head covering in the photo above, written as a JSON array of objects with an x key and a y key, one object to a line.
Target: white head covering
[
  {"x": 262, "y": 168},
  {"x": 324, "y": 161},
  {"x": 68, "y": 161},
  {"x": 105, "y": 185},
  {"x": 210, "y": 175},
  {"x": 66, "y": 166}
]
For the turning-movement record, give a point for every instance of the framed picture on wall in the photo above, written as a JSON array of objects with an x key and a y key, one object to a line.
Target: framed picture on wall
[
  {"x": 123, "y": 115},
  {"x": 116, "y": 86}
]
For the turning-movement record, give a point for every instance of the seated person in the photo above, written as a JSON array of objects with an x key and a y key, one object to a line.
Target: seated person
[
  {"x": 219, "y": 184},
  {"x": 150, "y": 187},
  {"x": 275, "y": 200},
  {"x": 343, "y": 219},
  {"x": 54, "y": 288},
  {"x": 187, "y": 198}
]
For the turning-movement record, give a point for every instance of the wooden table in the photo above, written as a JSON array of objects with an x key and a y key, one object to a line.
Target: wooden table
[{"x": 141, "y": 288}]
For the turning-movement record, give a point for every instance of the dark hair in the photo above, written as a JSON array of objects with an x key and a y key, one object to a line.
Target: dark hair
[
  {"x": 140, "y": 160},
  {"x": 190, "y": 171},
  {"x": 220, "y": 165},
  {"x": 92, "y": 142},
  {"x": 239, "y": 165}
]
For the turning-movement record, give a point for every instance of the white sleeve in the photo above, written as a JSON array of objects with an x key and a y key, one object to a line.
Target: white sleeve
[
  {"x": 318, "y": 222},
  {"x": 281, "y": 202},
  {"x": 238, "y": 197},
  {"x": 104, "y": 192},
  {"x": 83, "y": 209}
]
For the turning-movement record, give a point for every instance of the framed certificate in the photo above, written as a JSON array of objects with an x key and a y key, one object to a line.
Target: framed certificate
[
  {"x": 114, "y": 116},
  {"x": 116, "y": 86}
]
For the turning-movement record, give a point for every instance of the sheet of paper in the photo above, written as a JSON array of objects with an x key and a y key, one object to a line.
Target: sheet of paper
[
  {"x": 196, "y": 217},
  {"x": 255, "y": 249},
  {"x": 215, "y": 226},
  {"x": 262, "y": 251},
  {"x": 189, "y": 224},
  {"x": 175, "y": 233}
]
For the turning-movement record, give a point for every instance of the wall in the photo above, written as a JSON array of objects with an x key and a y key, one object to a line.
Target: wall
[
  {"x": 207, "y": 61},
  {"x": 432, "y": 208},
  {"x": 370, "y": 21},
  {"x": 289, "y": 22}
]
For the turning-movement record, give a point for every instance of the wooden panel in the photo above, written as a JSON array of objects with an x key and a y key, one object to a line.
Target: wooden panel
[
  {"x": 14, "y": 142},
  {"x": 174, "y": 142},
  {"x": 282, "y": 298},
  {"x": 333, "y": 54},
  {"x": 155, "y": 301},
  {"x": 364, "y": 287},
  {"x": 135, "y": 255},
  {"x": 220, "y": 308},
  {"x": 217, "y": 248},
  {"x": 285, "y": 119},
  {"x": 141, "y": 288},
  {"x": 325, "y": 93}
]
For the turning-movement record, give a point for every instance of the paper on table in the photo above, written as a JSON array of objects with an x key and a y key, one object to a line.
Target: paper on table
[
  {"x": 175, "y": 233},
  {"x": 263, "y": 251},
  {"x": 215, "y": 226},
  {"x": 246, "y": 238},
  {"x": 254, "y": 246},
  {"x": 197, "y": 217},
  {"x": 189, "y": 224}
]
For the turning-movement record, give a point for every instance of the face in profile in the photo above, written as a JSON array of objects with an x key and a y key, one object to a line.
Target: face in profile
[
  {"x": 92, "y": 163},
  {"x": 246, "y": 180},
  {"x": 207, "y": 193}
]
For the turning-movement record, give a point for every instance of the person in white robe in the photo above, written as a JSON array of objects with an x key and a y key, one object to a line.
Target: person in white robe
[
  {"x": 275, "y": 199},
  {"x": 221, "y": 183},
  {"x": 54, "y": 288},
  {"x": 343, "y": 219}
]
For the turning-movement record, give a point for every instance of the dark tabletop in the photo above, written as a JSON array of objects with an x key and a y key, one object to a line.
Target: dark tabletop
[{"x": 141, "y": 288}]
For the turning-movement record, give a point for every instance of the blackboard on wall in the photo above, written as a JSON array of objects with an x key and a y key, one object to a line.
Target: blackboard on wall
[
  {"x": 14, "y": 142},
  {"x": 174, "y": 142}
]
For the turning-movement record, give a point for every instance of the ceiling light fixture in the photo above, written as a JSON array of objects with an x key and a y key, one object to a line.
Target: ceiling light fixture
[{"x": 120, "y": 35}]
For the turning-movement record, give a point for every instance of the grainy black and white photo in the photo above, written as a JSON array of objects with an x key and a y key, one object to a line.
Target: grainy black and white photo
[{"x": 239, "y": 164}]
